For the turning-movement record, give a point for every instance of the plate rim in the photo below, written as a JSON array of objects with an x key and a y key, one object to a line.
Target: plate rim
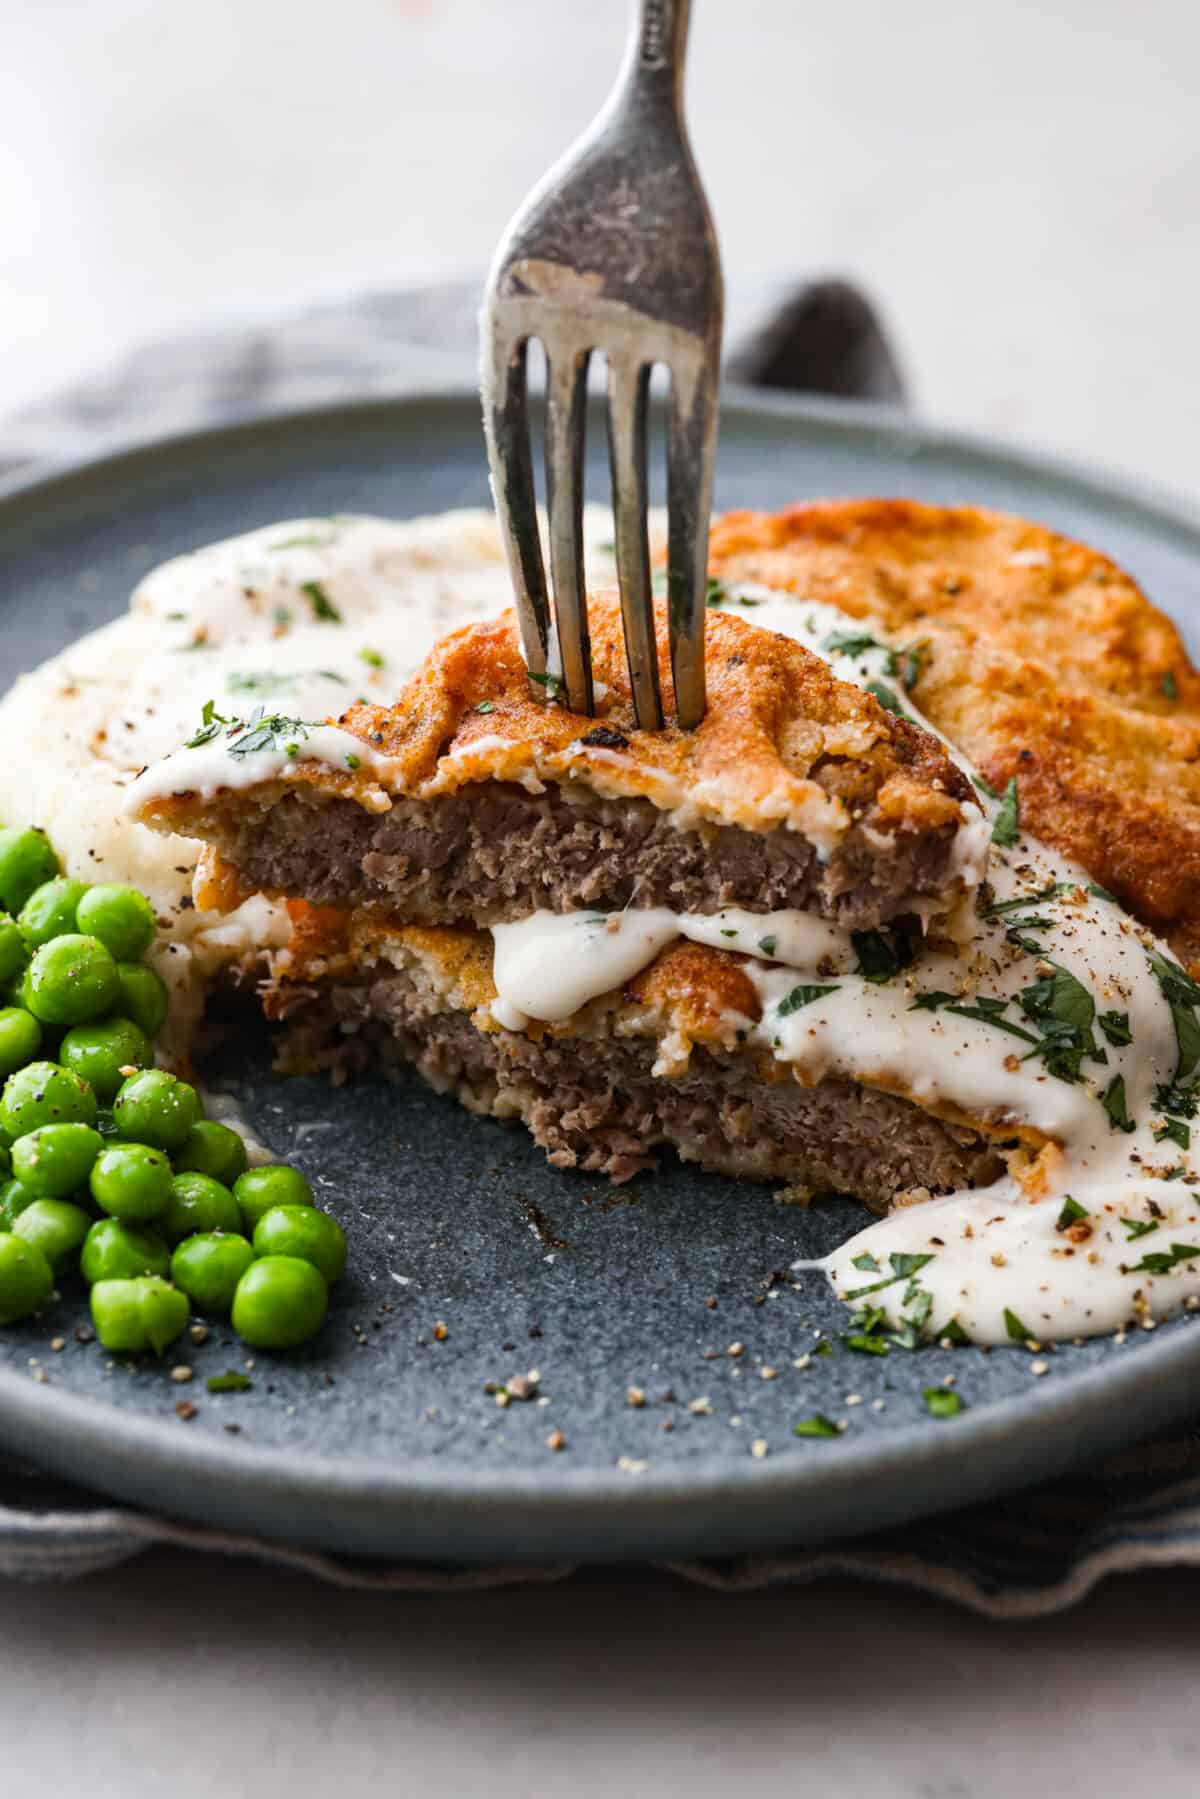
[{"x": 413, "y": 1504}]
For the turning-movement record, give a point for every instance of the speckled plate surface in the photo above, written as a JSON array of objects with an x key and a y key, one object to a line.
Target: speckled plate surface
[{"x": 380, "y": 1438}]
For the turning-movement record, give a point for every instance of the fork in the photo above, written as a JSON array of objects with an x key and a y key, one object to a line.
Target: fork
[{"x": 613, "y": 251}]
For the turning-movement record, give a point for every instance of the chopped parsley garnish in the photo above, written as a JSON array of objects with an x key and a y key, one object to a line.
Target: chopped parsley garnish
[
  {"x": 728, "y": 933},
  {"x": 904, "y": 1265},
  {"x": 932, "y": 1001},
  {"x": 1063, "y": 1010},
  {"x": 767, "y": 945},
  {"x": 1182, "y": 996},
  {"x": 353, "y": 762},
  {"x": 1115, "y": 1026},
  {"x": 1174, "y": 1131},
  {"x": 372, "y": 658},
  {"x": 984, "y": 786},
  {"x": 801, "y": 996},
  {"x": 852, "y": 643},
  {"x": 1181, "y": 1101},
  {"x": 716, "y": 593},
  {"x": 912, "y": 660},
  {"x": 1162, "y": 1261},
  {"x": 1170, "y": 686},
  {"x": 311, "y": 541},
  {"x": 210, "y": 725},
  {"x": 485, "y": 706},
  {"x": 886, "y": 698},
  {"x": 866, "y": 1262},
  {"x": 877, "y": 960},
  {"x": 1007, "y": 827},
  {"x": 816, "y": 1426},
  {"x": 1071, "y": 1214},
  {"x": 553, "y": 686},
  {"x": 1018, "y": 1332},
  {"x": 985, "y": 1011},
  {"x": 268, "y": 732},
  {"x": 866, "y": 1344},
  {"x": 1138, "y": 1227},
  {"x": 323, "y": 607},
  {"x": 1113, "y": 1101},
  {"x": 233, "y": 1382},
  {"x": 944, "y": 1402},
  {"x": 998, "y": 908},
  {"x": 951, "y": 1332}
]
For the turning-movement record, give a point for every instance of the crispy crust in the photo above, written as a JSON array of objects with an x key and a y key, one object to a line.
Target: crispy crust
[
  {"x": 1043, "y": 660},
  {"x": 783, "y": 742}
]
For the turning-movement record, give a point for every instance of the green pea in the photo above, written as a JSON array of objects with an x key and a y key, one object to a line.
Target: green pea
[
  {"x": 143, "y": 997},
  {"x": 49, "y": 911},
  {"x": 300, "y": 1231},
  {"x": 20, "y": 1038},
  {"x": 72, "y": 979},
  {"x": 198, "y": 1203},
  {"x": 131, "y": 1180},
  {"x": 13, "y": 1200},
  {"x": 209, "y": 1266},
  {"x": 156, "y": 1107},
  {"x": 57, "y": 1227},
  {"x": 121, "y": 917},
  {"x": 211, "y": 1148},
  {"x": 42, "y": 1093},
  {"x": 56, "y": 1159},
  {"x": 13, "y": 953},
  {"x": 116, "y": 1250},
  {"x": 26, "y": 860},
  {"x": 26, "y": 1278},
  {"x": 280, "y": 1301},
  {"x": 103, "y": 1054},
  {"x": 260, "y": 1189},
  {"x": 146, "y": 1313}
]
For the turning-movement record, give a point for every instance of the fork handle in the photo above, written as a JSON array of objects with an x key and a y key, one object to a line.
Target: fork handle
[{"x": 657, "y": 44}]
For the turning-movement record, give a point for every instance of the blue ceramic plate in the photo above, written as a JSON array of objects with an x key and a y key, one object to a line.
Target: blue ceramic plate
[{"x": 381, "y": 1439}]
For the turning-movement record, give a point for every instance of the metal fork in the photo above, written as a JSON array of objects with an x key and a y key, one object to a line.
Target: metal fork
[{"x": 614, "y": 251}]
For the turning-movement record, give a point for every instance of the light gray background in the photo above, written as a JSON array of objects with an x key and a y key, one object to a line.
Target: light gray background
[{"x": 1017, "y": 185}]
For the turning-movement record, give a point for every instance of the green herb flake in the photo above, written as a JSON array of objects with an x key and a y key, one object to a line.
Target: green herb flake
[
  {"x": 1018, "y": 1332},
  {"x": 372, "y": 658},
  {"x": 951, "y": 1332},
  {"x": 323, "y": 608},
  {"x": 267, "y": 732},
  {"x": 801, "y": 996},
  {"x": 912, "y": 661},
  {"x": 816, "y": 1426},
  {"x": 866, "y": 1262},
  {"x": 823, "y": 1348},
  {"x": 1182, "y": 996},
  {"x": 485, "y": 706},
  {"x": 767, "y": 945},
  {"x": 233, "y": 1382},
  {"x": 1007, "y": 828},
  {"x": 1115, "y": 1026},
  {"x": 904, "y": 1265},
  {"x": 1071, "y": 1214},
  {"x": 944, "y": 1402},
  {"x": 851, "y": 643},
  {"x": 984, "y": 786},
  {"x": 1170, "y": 686},
  {"x": 867, "y": 1345},
  {"x": 1113, "y": 1101},
  {"x": 1137, "y": 1227},
  {"x": 1174, "y": 1130},
  {"x": 311, "y": 541},
  {"x": 282, "y": 616},
  {"x": 552, "y": 685},
  {"x": 353, "y": 762},
  {"x": 716, "y": 593},
  {"x": 877, "y": 960},
  {"x": 1163, "y": 1261},
  {"x": 887, "y": 699},
  {"x": 210, "y": 724}
]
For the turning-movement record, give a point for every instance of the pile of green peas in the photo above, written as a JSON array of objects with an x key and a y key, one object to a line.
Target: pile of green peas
[{"x": 110, "y": 1168}]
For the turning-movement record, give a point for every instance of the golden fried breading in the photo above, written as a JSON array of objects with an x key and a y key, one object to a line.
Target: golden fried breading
[{"x": 1044, "y": 660}]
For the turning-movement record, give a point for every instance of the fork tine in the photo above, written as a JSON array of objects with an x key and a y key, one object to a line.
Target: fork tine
[
  {"x": 627, "y": 392},
  {"x": 566, "y": 401},
  {"x": 691, "y": 444},
  {"x": 506, "y": 426}
]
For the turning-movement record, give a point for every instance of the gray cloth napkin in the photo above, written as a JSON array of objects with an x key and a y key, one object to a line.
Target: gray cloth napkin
[{"x": 1037, "y": 1553}]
